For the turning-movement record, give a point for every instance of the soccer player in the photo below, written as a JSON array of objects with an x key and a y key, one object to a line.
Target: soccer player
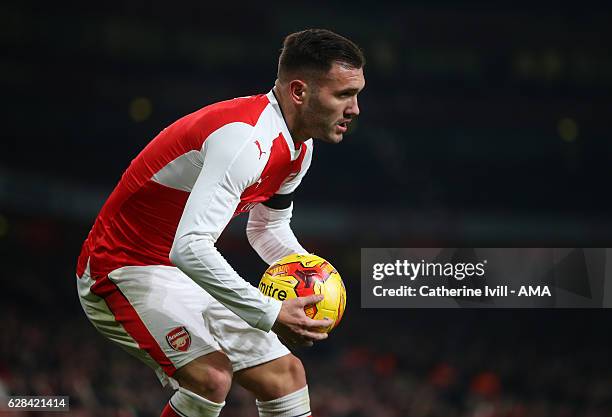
[{"x": 149, "y": 276}]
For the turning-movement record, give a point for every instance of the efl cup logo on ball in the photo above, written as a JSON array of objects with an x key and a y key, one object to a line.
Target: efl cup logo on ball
[{"x": 300, "y": 275}]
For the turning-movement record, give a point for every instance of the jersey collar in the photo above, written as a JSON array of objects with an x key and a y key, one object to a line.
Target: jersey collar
[{"x": 285, "y": 129}]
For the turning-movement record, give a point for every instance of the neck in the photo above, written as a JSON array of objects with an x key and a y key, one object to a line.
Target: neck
[{"x": 290, "y": 114}]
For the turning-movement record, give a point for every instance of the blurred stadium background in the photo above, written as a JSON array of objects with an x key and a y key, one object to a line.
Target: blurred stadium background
[{"x": 481, "y": 126}]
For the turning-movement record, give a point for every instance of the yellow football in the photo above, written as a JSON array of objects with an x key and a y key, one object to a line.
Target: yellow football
[{"x": 299, "y": 275}]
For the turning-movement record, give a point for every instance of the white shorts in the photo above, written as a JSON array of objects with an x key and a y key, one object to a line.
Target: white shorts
[{"x": 161, "y": 316}]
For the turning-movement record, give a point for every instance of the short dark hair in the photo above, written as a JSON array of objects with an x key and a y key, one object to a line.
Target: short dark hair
[{"x": 317, "y": 50}]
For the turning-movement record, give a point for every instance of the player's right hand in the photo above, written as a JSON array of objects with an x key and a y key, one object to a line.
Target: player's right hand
[{"x": 294, "y": 327}]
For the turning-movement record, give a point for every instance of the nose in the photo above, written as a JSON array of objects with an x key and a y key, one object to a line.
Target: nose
[{"x": 353, "y": 109}]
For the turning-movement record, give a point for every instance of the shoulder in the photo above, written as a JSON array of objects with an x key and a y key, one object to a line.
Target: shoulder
[{"x": 242, "y": 110}]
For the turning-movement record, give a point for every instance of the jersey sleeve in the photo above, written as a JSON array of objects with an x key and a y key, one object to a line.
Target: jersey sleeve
[
  {"x": 291, "y": 183},
  {"x": 270, "y": 234},
  {"x": 230, "y": 165}
]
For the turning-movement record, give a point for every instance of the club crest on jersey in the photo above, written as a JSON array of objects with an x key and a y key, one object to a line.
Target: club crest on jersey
[{"x": 179, "y": 339}]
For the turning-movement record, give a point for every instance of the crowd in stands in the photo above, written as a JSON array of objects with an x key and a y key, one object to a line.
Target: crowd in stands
[
  {"x": 431, "y": 373},
  {"x": 377, "y": 363}
]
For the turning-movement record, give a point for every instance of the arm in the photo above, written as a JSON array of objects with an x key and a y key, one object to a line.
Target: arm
[
  {"x": 269, "y": 233},
  {"x": 229, "y": 166},
  {"x": 268, "y": 229}
]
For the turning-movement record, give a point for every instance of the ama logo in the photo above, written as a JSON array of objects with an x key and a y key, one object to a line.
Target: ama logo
[{"x": 537, "y": 291}]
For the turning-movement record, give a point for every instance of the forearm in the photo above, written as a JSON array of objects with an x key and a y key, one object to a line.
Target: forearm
[
  {"x": 270, "y": 234},
  {"x": 199, "y": 259}
]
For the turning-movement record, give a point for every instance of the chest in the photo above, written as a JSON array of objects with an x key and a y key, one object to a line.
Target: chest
[{"x": 278, "y": 168}]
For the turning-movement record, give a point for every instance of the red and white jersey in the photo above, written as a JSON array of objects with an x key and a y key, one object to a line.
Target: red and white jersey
[{"x": 181, "y": 191}]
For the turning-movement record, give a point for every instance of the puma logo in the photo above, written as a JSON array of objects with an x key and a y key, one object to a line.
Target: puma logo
[{"x": 259, "y": 147}]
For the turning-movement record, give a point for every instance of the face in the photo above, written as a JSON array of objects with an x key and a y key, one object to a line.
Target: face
[{"x": 331, "y": 105}]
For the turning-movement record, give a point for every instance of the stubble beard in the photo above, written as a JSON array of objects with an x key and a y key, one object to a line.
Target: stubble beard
[{"x": 321, "y": 127}]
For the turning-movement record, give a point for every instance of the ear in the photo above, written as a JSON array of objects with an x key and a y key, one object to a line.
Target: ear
[{"x": 297, "y": 91}]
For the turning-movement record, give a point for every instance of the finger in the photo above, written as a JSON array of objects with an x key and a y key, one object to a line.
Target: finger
[
  {"x": 314, "y": 336},
  {"x": 317, "y": 324},
  {"x": 310, "y": 299}
]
